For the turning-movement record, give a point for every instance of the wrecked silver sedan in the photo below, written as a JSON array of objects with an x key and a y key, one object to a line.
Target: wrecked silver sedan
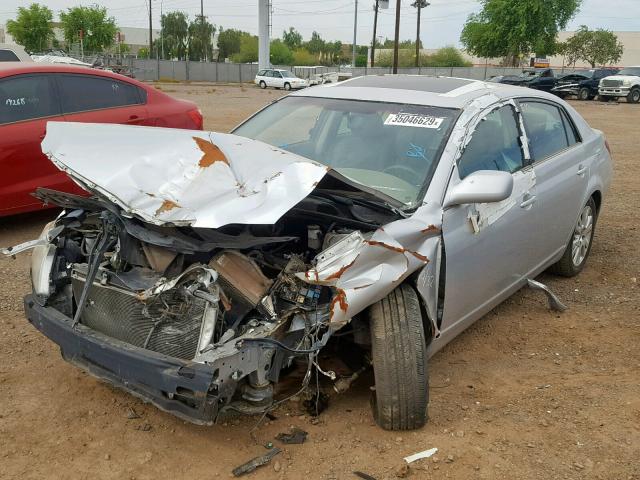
[{"x": 394, "y": 209}]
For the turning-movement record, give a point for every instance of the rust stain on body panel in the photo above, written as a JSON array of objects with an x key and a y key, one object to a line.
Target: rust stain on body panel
[
  {"x": 212, "y": 153},
  {"x": 167, "y": 206}
]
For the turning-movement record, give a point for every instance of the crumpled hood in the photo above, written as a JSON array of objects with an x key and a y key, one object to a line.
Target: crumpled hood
[{"x": 182, "y": 177}]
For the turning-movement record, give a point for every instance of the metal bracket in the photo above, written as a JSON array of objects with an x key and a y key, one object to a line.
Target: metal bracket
[{"x": 554, "y": 302}]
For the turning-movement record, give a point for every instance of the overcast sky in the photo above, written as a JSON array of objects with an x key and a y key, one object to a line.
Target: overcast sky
[{"x": 333, "y": 19}]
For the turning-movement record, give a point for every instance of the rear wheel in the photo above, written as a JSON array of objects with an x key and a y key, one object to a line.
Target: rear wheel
[
  {"x": 263, "y": 85},
  {"x": 583, "y": 94},
  {"x": 577, "y": 252},
  {"x": 399, "y": 354},
  {"x": 634, "y": 96}
]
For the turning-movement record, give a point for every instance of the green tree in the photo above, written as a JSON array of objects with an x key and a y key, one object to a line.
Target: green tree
[
  {"x": 248, "y": 49},
  {"x": 316, "y": 44},
  {"x": 445, "y": 57},
  {"x": 32, "y": 27},
  {"x": 292, "y": 38},
  {"x": 97, "y": 27},
  {"x": 302, "y": 58},
  {"x": 515, "y": 28},
  {"x": 229, "y": 42},
  {"x": 280, "y": 53},
  {"x": 200, "y": 39},
  {"x": 175, "y": 35},
  {"x": 596, "y": 47}
]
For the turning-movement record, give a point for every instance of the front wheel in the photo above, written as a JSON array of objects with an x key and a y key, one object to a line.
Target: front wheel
[
  {"x": 287, "y": 86},
  {"x": 634, "y": 96},
  {"x": 577, "y": 252},
  {"x": 399, "y": 354},
  {"x": 263, "y": 85}
]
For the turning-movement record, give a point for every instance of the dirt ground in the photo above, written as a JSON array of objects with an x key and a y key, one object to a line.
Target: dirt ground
[{"x": 524, "y": 393}]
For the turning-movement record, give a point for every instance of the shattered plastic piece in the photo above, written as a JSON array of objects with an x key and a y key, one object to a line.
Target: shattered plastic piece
[
  {"x": 363, "y": 475},
  {"x": 421, "y": 455},
  {"x": 256, "y": 462},
  {"x": 554, "y": 302},
  {"x": 296, "y": 437}
]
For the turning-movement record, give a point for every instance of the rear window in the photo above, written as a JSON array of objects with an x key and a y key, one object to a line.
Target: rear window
[
  {"x": 8, "y": 56},
  {"x": 81, "y": 93},
  {"x": 26, "y": 97}
]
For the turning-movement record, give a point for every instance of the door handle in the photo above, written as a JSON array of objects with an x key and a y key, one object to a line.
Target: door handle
[
  {"x": 581, "y": 170},
  {"x": 133, "y": 117},
  {"x": 528, "y": 200}
]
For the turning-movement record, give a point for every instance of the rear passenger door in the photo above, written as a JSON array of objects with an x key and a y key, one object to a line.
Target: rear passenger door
[
  {"x": 96, "y": 99},
  {"x": 27, "y": 103},
  {"x": 561, "y": 165}
]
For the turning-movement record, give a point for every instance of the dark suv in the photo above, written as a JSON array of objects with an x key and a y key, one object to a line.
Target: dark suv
[
  {"x": 538, "y": 78},
  {"x": 583, "y": 84}
]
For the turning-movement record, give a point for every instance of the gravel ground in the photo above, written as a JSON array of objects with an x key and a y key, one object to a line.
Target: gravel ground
[{"x": 524, "y": 393}]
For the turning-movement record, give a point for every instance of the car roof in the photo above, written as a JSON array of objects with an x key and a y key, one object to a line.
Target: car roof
[
  {"x": 20, "y": 52},
  {"x": 447, "y": 92},
  {"x": 8, "y": 69}
]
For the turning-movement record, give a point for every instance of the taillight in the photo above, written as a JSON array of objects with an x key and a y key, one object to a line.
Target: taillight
[{"x": 196, "y": 117}]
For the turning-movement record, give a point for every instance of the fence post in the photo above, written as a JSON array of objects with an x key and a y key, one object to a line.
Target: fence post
[
  {"x": 240, "y": 72},
  {"x": 216, "y": 72},
  {"x": 186, "y": 68}
]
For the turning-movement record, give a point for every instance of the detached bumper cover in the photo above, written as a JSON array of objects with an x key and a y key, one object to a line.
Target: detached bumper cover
[{"x": 179, "y": 387}]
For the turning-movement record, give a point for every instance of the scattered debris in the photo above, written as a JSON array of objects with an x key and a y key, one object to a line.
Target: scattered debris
[
  {"x": 132, "y": 414},
  {"x": 363, "y": 475},
  {"x": 420, "y": 455},
  {"x": 554, "y": 302},
  {"x": 256, "y": 462},
  {"x": 296, "y": 436},
  {"x": 145, "y": 427}
]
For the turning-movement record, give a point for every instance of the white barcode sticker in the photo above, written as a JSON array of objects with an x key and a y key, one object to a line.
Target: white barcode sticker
[{"x": 413, "y": 120}]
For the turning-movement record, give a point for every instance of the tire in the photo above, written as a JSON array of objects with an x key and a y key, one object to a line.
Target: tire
[
  {"x": 287, "y": 86},
  {"x": 399, "y": 354},
  {"x": 263, "y": 85},
  {"x": 583, "y": 94},
  {"x": 634, "y": 96},
  {"x": 568, "y": 266}
]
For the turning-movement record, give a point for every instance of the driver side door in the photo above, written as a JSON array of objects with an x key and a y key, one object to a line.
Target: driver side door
[{"x": 487, "y": 245}]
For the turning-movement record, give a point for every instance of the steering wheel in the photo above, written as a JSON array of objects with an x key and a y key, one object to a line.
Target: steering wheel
[{"x": 403, "y": 172}]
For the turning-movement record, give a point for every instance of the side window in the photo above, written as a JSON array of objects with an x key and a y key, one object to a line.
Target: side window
[
  {"x": 261, "y": 73},
  {"x": 569, "y": 127},
  {"x": 27, "y": 97},
  {"x": 82, "y": 93},
  {"x": 277, "y": 74},
  {"x": 545, "y": 128},
  {"x": 268, "y": 73},
  {"x": 8, "y": 56},
  {"x": 494, "y": 145}
]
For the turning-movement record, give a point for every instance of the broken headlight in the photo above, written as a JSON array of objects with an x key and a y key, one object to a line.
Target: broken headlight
[{"x": 42, "y": 259}]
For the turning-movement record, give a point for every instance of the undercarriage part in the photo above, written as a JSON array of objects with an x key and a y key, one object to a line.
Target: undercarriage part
[{"x": 554, "y": 302}]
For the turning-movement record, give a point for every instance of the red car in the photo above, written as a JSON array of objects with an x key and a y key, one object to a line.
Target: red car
[{"x": 33, "y": 94}]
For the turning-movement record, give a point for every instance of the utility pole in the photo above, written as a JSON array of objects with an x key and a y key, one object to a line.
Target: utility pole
[
  {"x": 150, "y": 29},
  {"x": 161, "y": 30},
  {"x": 375, "y": 27},
  {"x": 396, "y": 38},
  {"x": 355, "y": 32},
  {"x": 419, "y": 4},
  {"x": 202, "y": 33}
]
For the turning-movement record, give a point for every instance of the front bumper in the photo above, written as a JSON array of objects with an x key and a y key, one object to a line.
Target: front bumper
[
  {"x": 180, "y": 387},
  {"x": 614, "y": 91}
]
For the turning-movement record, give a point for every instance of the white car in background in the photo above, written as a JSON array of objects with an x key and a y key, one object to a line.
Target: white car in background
[
  {"x": 13, "y": 53},
  {"x": 273, "y": 77}
]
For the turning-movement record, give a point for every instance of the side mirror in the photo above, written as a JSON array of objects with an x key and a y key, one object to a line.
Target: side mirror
[{"x": 483, "y": 186}]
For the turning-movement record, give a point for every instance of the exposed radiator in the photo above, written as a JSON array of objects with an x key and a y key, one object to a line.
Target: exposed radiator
[{"x": 170, "y": 326}]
